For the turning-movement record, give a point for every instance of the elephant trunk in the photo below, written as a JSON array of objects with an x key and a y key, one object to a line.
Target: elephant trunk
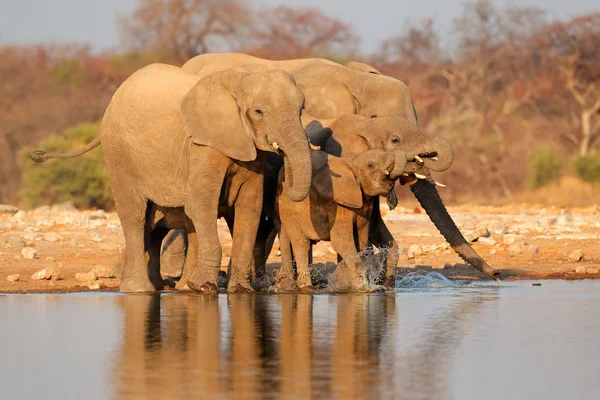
[
  {"x": 298, "y": 171},
  {"x": 437, "y": 153},
  {"x": 430, "y": 200},
  {"x": 400, "y": 161}
]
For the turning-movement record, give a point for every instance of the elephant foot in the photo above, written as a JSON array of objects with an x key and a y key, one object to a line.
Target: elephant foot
[
  {"x": 182, "y": 285},
  {"x": 304, "y": 283},
  {"x": 389, "y": 282},
  {"x": 206, "y": 288},
  {"x": 136, "y": 285},
  {"x": 284, "y": 285},
  {"x": 240, "y": 288}
]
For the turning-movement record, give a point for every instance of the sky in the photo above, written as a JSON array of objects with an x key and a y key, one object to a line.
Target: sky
[{"x": 94, "y": 21}]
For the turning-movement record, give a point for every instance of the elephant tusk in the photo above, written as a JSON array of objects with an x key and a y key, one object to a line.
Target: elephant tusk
[
  {"x": 404, "y": 174},
  {"x": 434, "y": 158},
  {"x": 387, "y": 172},
  {"x": 419, "y": 176},
  {"x": 440, "y": 184},
  {"x": 275, "y": 145},
  {"x": 419, "y": 159},
  {"x": 312, "y": 146}
]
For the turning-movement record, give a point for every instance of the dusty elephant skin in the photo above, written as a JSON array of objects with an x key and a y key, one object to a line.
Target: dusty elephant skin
[
  {"x": 175, "y": 140},
  {"x": 337, "y": 209},
  {"x": 332, "y": 90}
]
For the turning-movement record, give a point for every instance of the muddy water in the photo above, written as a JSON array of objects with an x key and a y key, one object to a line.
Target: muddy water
[{"x": 517, "y": 342}]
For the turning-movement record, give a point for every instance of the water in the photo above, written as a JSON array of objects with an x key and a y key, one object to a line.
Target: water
[{"x": 512, "y": 341}]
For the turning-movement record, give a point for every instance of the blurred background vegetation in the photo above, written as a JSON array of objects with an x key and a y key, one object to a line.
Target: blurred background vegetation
[{"x": 517, "y": 93}]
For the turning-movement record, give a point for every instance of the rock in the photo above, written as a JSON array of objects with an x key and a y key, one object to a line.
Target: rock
[
  {"x": 95, "y": 285},
  {"x": 476, "y": 234},
  {"x": 13, "y": 278},
  {"x": 533, "y": 250},
  {"x": 18, "y": 216},
  {"x": 29, "y": 237},
  {"x": 416, "y": 250},
  {"x": 8, "y": 209},
  {"x": 515, "y": 249},
  {"x": 593, "y": 271},
  {"x": 581, "y": 270},
  {"x": 15, "y": 240},
  {"x": 47, "y": 273},
  {"x": 50, "y": 259},
  {"x": 86, "y": 276},
  {"x": 511, "y": 238},
  {"x": 29, "y": 253},
  {"x": 102, "y": 271},
  {"x": 447, "y": 252},
  {"x": 53, "y": 237},
  {"x": 576, "y": 256},
  {"x": 564, "y": 218},
  {"x": 493, "y": 251},
  {"x": 488, "y": 241},
  {"x": 96, "y": 237}
]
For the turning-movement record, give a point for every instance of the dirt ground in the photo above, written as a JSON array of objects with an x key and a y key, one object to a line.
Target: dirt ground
[{"x": 525, "y": 242}]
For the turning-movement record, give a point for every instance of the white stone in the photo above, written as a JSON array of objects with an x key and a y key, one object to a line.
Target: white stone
[
  {"x": 416, "y": 249},
  {"x": 515, "y": 249},
  {"x": 576, "y": 256},
  {"x": 8, "y": 209},
  {"x": 102, "y": 271},
  {"x": 53, "y": 237},
  {"x": 13, "y": 278},
  {"x": 593, "y": 271},
  {"x": 47, "y": 273},
  {"x": 96, "y": 237},
  {"x": 29, "y": 253},
  {"x": 511, "y": 238},
  {"x": 476, "y": 234},
  {"x": 533, "y": 250},
  {"x": 86, "y": 276},
  {"x": 19, "y": 216},
  {"x": 488, "y": 241},
  {"x": 581, "y": 270}
]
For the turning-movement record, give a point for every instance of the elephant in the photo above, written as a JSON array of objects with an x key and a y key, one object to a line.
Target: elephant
[
  {"x": 338, "y": 208},
  {"x": 331, "y": 90},
  {"x": 179, "y": 140}
]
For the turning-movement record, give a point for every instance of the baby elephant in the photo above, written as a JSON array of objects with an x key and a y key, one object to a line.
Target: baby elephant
[{"x": 338, "y": 209}]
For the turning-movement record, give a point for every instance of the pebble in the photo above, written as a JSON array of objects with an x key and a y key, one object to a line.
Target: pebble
[
  {"x": 593, "y": 271},
  {"x": 19, "y": 216},
  {"x": 476, "y": 234},
  {"x": 515, "y": 249},
  {"x": 13, "y": 278},
  {"x": 576, "y": 256},
  {"x": 29, "y": 253},
  {"x": 15, "y": 240},
  {"x": 533, "y": 250},
  {"x": 415, "y": 250},
  {"x": 95, "y": 285},
  {"x": 50, "y": 259},
  {"x": 53, "y": 237},
  {"x": 86, "y": 276},
  {"x": 581, "y": 270},
  {"x": 96, "y": 237},
  {"x": 488, "y": 241},
  {"x": 29, "y": 237},
  {"x": 511, "y": 238},
  {"x": 8, "y": 209},
  {"x": 493, "y": 251},
  {"x": 47, "y": 273},
  {"x": 102, "y": 271}
]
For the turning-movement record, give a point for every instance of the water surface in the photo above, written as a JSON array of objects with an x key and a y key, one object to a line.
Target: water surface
[{"x": 517, "y": 342}]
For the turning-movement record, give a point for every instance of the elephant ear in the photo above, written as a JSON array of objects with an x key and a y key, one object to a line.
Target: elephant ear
[
  {"x": 334, "y": 180},
  {"x": 362, "y": 67},
  {"x": 212, "y": 117}
]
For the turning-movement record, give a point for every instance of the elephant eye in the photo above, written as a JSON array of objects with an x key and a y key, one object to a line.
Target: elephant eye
[
  {"x": 370, "y": 165},
  {"x": 373, "y": 116},
  {"x": 257, "y": 113},
  {"x": 396, "y": 140}
]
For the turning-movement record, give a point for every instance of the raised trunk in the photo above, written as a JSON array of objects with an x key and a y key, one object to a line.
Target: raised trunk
[
  {"x": 430, "y": 200},
  {"x": 444, "y": 154},
  {"x": 298, "y": 171}
]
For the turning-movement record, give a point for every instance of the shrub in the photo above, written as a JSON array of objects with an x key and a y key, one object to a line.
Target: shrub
[
  {"x": 545, "y": 167},
  {"x": 588, "y": 168},
  {"x": 82, "y": 180}
]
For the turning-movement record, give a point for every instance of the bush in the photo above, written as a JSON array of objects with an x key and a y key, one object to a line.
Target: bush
[
  {"x": 588, "y": 168},
  {"x": 545, "y": 167},
  {"x": 82, "y": 180}
]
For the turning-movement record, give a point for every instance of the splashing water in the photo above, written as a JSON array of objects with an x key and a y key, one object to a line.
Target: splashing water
[{"x": 426, "y": 280}]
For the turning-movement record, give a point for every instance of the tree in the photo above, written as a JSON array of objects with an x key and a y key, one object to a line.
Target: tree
[
  {"x": 574, "y": 46},
  {"x": 181, "y": 29},
  {"x": 288, "y": 32}
]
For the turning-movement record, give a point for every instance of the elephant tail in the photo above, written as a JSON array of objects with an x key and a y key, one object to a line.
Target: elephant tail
[{"x": 41, "y": 156}]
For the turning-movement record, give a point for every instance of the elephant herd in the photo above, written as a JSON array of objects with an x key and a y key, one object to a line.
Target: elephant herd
[{"x": 300, "y": 148}]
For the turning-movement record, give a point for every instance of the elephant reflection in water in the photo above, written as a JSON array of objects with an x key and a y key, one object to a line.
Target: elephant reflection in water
[{"x": 187, "y": 346}]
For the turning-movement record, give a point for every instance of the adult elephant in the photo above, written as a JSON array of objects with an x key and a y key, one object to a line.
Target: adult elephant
[
  {"x": 173, "y": 139},
  {"x": 331, "y": 90}
]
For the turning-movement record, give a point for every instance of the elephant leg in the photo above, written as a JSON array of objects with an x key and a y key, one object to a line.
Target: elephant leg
[
  {"x": 300, "y": 246},
  {"x": 201, "y": 206},
  {"x": 350, "y": 272},
  {"x": 117, "y": 270},
  {"x": 191, "y": 257},
  {"x": 172, "y": 258},
  {"x": 265, "y": 228},
  {"x": 248, "y": 207},
  {"x": 285, "y": 277},
  {"x": 384, "y": 239},
  {"x": 156, "y": 237},
  {"x": 132, "y": 213}
]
